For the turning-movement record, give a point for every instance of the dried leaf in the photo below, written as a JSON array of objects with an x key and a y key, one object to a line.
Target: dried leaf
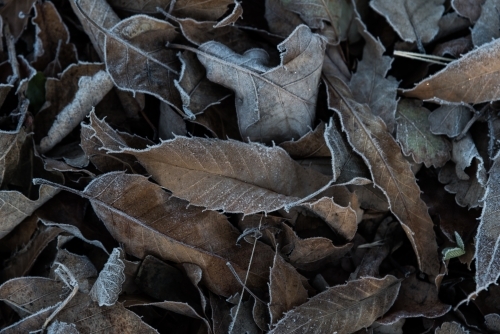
[
  {"x": 390, "y": 172},
  {"x": 165, "y": 220},
  {"x": 285, "y": 288},
  {"x": 11, "y": 143},
  {"x": 449, "y": 119},
  {"x": 342, "y": 309},
  {"x": 338, "y": 13},
  {"x": 492, "y": 322},
  {"x": 416, "y": 298},
  {"x": 170, "y": 123},
  {"x": 221, "y": 314},
  {"x": 414, "y": 135},
  {"x": 370, "y": 85},
  {"x": 311, "y": 145},
  {"x": 312, "y": 253},
  {"x": 469, "y": 193},
  {"x": 272, "y": 103},
  {"x": 487, "y": 257},
  {"x": 52, "y": 35},
  {"x": 108, "y": 285},
  {"x": 58, "y": 327},
  {"x": 35, "y": 294},
  {"x": 470, "y": 9},
  {"x": 414, "y": 21},
  {"x": 15, "y": 207},
  {"x": 242, "y": 319},
  {"x": 451, "y": 328},
  {"x": 90, "y": 92},
  {"x": 335, "y": 64},
  {"x": 470, "y": 79},
  {"x": 229, "y": 175},
  {"x": 197, "y": 92},
  {"x": 487, "y": 26},
  {"x": 280, "y": 21},
  {"x": 16, "y": 15},
  {"x": 464, "y": 152}
]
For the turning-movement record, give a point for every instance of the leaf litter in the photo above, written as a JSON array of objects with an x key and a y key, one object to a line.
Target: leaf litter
[{"x": 263, "y": 167}]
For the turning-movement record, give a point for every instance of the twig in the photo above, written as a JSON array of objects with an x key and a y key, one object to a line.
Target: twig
[{"x": 424, "y": 57}]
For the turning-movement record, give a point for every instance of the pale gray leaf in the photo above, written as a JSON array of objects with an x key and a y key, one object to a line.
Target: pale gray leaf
[
  {"x": 449, "y": 119},
  {"x": 487, "y": 27}
]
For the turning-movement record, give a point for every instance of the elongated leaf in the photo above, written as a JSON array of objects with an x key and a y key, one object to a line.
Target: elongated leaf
[
  {"x": 229, "y": 175},
  {"x": 342, "y": 309},
  {"x": 488, "y": 235},
  {"x": 272, "y": 103},
  {"x": 471, "y": 79},
  {"x": 415, "y": 137},
  {"x": 162, "y": 226},
  {"x": 391, "y": 173}
]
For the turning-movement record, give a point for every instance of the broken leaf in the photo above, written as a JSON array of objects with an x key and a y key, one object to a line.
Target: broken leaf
[
  {"x": 342, "y": 309},
  {"x": 414, "y": 135},
  {"x": 272, "y": 103},
  {"x": 390, "y": 172},
  {"x": 108, "y": 285}
]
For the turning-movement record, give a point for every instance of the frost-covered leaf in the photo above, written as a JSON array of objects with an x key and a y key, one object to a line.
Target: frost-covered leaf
[
  {"x": 449, "y": 119},
  {"x": 369, "y": 84},
  {"x": 488, "y": 236},
  {"x": 285, "y": 288},
  {"x": 164, "y": 227},
  {"x": 469, "y": 193},
  {"x": 343, "y": 308},
  {"x": 11, "y": 144},
  {"x": 229, "y": 175},
  {"x": 16, "y": 15},
  {"x": 487, "y": 27},
  {"x": 471, "y": 79},
  {"x": 108, "y": 285},
  {"x": 338, "y": 13},
  {"x": 470, "y": 9},
  {"x": 310, "y": 145},
  {"x": 451, "y": 328},
  {"x": 414, "y": 135},
  {"x": 59, "y": 327},
  {"x": 272, "y": 103},
  {"x": 368, "y": 136},
  {"x": 414, "y": 21},
  {"x": 280, "y": 20}
]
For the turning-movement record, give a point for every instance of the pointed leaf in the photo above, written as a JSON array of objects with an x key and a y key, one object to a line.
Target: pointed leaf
[
  {"x": 108, "y": 285},
  {"x": 342, "y": 309},
  {"x": 471, "y": 79},
  {"x": 272, "y": 103},
  {"x": 391, "y": 173}
]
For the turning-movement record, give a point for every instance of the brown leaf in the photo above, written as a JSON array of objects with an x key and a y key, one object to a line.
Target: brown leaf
[
  {"x": 416, "y": 298},
  {"x": 338, "y": 13},
  {"x": 414, "y": 21},
  {"x": 370, "y": 85},
  {"x": 16, "y": 15},
  {"x": 280, "y": 21},
  {"x": 486, "y": 28},
  {"x": 449, "y": 119},
  {"x": 52, "y": 35},
  {"x": 310, "y": 145},
  {"x": 11, "y": 144},
  {"x": 221, "y": 316},
  {"x": 390, "y": 172},
  {"x": 229, "y": 175},
  {"x": 15, "y": 207},
  {"x": 343, "y": 308},
  {"x": 35, "y": 294},
  {"x": 312, "y": 253},
  {"x": 470, "y": 79},
  {"x": 197, "y": 92},
  {"x": 335, "y": 64},
  {"x": 451, "y": 328},
  {"x": 242, "y": 319},
  {"x": 272, "y": 103},
  {"x": 285, "y": 288},
  {"x": 470, "y": 9},
  {"x": 414, "y": 135},
  {"x": 165, "y": 220}
]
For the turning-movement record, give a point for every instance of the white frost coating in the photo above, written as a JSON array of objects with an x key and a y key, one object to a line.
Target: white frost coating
[
  {"x": 108, "y": 285},
  {"x": 91, "y": 91},
  {"x": 59, "y": 327}
]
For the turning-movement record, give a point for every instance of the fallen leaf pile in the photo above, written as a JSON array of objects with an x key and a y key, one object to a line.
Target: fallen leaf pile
[{"x": 270, "y": 166}]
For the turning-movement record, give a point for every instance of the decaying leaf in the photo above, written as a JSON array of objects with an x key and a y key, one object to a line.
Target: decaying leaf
[
  {"x": 311, "y": 145},
  {"x": 414, "y": 135},
  {"x": 342, "y": 309},
  {"x": 469, "y": 193},
  {"x": 370, "y": 85},
  {"x": 451, "y": 328},
  {"x": 108, "y": 285},
  {"x": 268, "y": 97},
  {"x": 449, "y": 119},
  {"x": 338, "y": 13},
  {"x": 158, "y": 227},
  {"x": 229, "y": 175},
  {"x": 285, "y": 288},
  {"x": 16, "y": 15},
  {"x": 470, "y": 79},
  {"x": 390, "y": 172},
  {"x": 487, "y": 239},
  {"x": 486, "y": 28},
  {"x": 414, "y": 21}
]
